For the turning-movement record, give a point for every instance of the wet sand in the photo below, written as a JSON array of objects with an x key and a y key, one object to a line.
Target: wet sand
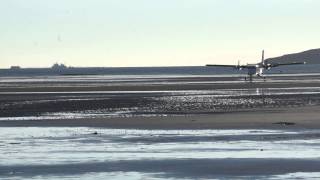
[
  {"x": 303, "y": 117},
  {"x": 181, "y": 168},
  {"x": 157, "y": 103}
]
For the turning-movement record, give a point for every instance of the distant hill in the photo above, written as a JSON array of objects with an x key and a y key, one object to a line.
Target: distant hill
[{"x": 311, "y": 57}]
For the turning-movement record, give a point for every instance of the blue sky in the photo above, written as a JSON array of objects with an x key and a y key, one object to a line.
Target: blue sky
[{"x": 38, "y": 33}]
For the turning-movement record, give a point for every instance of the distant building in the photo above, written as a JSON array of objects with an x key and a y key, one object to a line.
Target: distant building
[
  {"x": 57, "y": 66},
  {"x": 15, "y": 67}
]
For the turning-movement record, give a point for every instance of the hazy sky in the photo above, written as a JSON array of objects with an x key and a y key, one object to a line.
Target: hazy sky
[{"x": 37, "y": 33}]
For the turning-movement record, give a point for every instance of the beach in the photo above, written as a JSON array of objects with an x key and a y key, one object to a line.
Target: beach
[
  {"x": 159, "y": 90},
  {"x": 176, "y": 127}
]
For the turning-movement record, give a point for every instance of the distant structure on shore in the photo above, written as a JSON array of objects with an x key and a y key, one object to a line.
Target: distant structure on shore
[
  {"x": 15, "y": 67},
  {"x": 57, "y": 66}
]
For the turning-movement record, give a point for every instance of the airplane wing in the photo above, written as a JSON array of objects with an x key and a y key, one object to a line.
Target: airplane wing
[
  {"x": 285, "y": 64},
  {"x": 232, "y": 66},
  {"x": 221, "y": 65}
]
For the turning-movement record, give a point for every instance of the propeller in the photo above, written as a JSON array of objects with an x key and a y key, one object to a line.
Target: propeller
[{"x": 239, "y": 66}]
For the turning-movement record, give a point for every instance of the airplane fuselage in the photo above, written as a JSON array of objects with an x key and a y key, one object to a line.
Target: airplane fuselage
[{"x": 255, "y": 69}]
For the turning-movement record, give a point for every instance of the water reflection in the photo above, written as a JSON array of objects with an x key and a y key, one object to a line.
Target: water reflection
[{"x": 24, "y": 149}]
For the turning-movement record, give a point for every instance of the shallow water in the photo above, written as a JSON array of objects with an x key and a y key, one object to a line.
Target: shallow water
[{"x": 93, "y": 153}]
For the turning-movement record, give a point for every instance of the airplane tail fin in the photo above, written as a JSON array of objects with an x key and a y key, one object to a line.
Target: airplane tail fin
[{"x": 262, "y": 58}]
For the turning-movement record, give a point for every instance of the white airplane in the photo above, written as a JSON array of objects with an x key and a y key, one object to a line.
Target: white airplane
[{"x": 256, "y": 69}]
